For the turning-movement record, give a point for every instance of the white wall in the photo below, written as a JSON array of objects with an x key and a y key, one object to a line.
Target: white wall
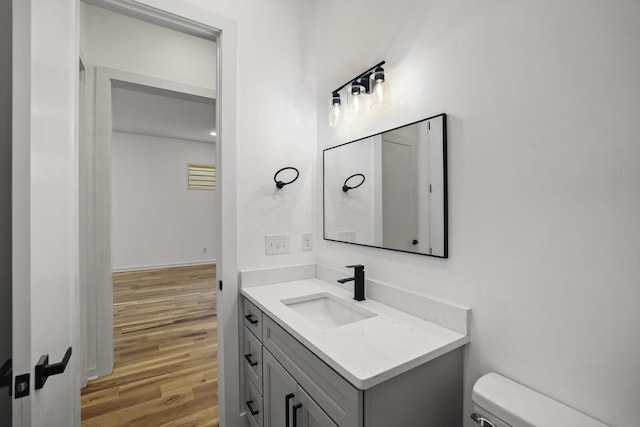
[
  {"x": 156, "y": 221},
  {"x": 544, "y": 184},
  {"x": 276, "y": 124}
]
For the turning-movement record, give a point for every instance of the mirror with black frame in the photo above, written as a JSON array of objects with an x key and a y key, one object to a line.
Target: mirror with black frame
[{"x": 389, "y": 190}]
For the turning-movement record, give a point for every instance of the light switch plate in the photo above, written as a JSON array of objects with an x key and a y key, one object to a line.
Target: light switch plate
[{"x": 276, "y": 244}]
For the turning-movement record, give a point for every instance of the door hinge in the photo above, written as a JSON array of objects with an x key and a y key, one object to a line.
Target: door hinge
[
  {"x": 430, "y": 189},
  {"x": 429, "y": 125},
  {"x": 220, "y": 284},
  {"x": 22, "y": 386}
]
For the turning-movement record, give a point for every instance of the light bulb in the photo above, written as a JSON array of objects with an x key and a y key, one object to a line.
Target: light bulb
[
  {"x": 356, "y": 104},
  {"x": 380, "y": 88},
  {"x": 335, "y": 110},
  {"x": 358, "y": 99}
]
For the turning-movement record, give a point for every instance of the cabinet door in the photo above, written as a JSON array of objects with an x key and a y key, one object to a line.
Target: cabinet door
[
  {"x": 309, "y": 414},
  {"x": 279, "y": 393}
]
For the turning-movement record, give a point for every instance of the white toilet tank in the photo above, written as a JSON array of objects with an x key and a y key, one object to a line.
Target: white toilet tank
[{"x": 501, "y": 402}]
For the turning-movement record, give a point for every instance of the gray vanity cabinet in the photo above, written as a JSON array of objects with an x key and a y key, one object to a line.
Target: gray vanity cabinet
[
  {"x": 298, "y": 410},
  {"x": 311, "y": 415},
  {"x": 295, "y": 380}
]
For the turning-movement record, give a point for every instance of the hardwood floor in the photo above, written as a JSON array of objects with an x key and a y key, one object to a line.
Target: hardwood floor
[{"x": 166, "y": 365}]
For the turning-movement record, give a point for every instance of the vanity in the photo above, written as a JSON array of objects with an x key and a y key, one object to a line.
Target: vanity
[{"x": 312, "y": 356}]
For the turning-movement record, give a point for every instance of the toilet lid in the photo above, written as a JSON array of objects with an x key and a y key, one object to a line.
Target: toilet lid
[{"x": 520, "y": 406}]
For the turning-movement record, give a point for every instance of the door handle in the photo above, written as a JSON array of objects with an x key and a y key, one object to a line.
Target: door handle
[
  {"x": 250, "y": 318},
  {"x": 295, "y": 413},
  {"x": 6, "y": 373},
  {"x": 44, "y": 370},
  {"x": 254, "y": 412}
]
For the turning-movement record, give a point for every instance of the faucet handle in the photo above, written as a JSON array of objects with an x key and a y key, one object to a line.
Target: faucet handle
[{"x": 357, "y": 266}]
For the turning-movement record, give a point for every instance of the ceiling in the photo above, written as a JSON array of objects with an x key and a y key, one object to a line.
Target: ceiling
[{"x": 151, "y": 111}]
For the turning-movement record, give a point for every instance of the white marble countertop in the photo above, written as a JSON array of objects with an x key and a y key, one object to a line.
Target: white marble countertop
[{"x": 367, "y": 352}]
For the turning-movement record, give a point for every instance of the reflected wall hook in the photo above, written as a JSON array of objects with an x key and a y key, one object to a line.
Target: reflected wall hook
[
  {"x": 281, "y": 184},
  {"x": 346, "y": 188}
]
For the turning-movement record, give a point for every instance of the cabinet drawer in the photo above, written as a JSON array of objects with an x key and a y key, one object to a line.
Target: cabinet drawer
[
  {"x": 335, "y": 395},
  {"x": 252, "y": 358},
  {"x": 253, "y": 404},
  {"x": 252, "y": 317}
]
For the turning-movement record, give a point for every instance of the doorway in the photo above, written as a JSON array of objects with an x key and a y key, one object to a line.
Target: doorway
[
  {"x": 45, "y": 315},
  {"x": 155, "y": 301}
]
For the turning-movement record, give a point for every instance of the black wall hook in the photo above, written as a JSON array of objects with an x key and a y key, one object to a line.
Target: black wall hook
[
  {"x": 346, "y": 188},
  {"x": 281, "y": 184}
]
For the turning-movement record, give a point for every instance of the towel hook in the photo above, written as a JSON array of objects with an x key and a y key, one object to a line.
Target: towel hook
[
  {"x": 346, "y": 188},
  {"x": 280, "y": 184}
]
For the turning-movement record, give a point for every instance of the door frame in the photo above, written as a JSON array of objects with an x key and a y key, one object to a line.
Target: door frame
[{"x": 207, "y": 24}]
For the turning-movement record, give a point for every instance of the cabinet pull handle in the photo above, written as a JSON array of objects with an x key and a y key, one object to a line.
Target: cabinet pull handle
[
  {"x": 250, "y": 318},
  {"x": 295, "y": 413},
  {"x": 482, "y": 421},
  {"x": 249, "y": 360},
  {"x": 287, "y": 401},
  {"x": 253, "y": 411}
]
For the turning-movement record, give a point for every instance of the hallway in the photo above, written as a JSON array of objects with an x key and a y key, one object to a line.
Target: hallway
[{"x": 166, "y": 367}]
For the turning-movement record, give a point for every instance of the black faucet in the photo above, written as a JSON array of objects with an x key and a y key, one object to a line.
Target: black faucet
[{"x": 358, "y": 288}]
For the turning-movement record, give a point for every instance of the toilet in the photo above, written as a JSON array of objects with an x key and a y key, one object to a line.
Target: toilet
[{"x": 501, "y": 402}]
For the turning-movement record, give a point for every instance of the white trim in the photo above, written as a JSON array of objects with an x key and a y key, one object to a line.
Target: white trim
[
  {"x": 158, "y": 266},
  {"x": 158, "y": 17},
  {"x": 21, "y": 202}
]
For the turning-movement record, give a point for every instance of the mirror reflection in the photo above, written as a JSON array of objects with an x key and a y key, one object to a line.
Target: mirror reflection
[{"x": 389, "y": 190}]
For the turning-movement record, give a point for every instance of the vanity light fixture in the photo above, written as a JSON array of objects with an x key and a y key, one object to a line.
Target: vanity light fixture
[{"x": 367, "y": 89}]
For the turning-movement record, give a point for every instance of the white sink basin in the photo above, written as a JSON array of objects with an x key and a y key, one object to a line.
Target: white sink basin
[{"x": 326, "y": 310}]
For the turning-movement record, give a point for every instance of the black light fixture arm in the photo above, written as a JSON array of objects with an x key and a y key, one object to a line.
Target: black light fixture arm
[
  {"x": 280, "y": 184},
  {"x": 359, "y": 76}
]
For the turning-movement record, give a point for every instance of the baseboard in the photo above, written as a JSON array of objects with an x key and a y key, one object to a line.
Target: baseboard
[{"x": 167, "y": 265}]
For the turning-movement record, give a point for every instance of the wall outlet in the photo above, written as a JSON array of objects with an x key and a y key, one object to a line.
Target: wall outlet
[
  {"x": 276, "y": 244},
  {"x": 307, "y": 242}
]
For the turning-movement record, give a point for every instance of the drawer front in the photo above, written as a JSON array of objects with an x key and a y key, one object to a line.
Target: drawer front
[
  {"x": 252, "y": 358},
  {"x": 253, "y": 404},
  {"x": 252, "y": 317},
  {"x": 335, "y": 395}
]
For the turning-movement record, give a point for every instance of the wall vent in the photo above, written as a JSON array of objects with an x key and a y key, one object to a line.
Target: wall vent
[{"x": 201, "y": 177}]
